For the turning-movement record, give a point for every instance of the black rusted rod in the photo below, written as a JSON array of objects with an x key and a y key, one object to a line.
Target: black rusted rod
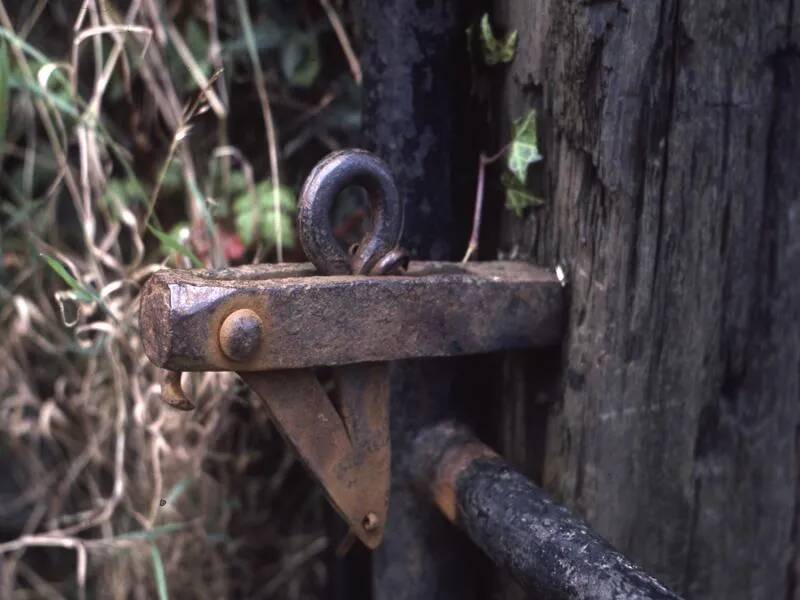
[
  {"x": 551, "y": 552},
  {"x": 415, "y": 66}
]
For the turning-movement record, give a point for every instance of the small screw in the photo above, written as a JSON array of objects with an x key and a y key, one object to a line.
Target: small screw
[
  {"x": 240, "y": 334},
  {"x": 370, "y": 522}
]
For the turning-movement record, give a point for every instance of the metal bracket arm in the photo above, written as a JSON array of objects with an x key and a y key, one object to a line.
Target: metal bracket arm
[{"x": 299, "y": 319}]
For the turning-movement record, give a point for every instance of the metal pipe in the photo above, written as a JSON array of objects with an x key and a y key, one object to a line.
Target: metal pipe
[
  {"x": 413, "y": 59},
  {"x": 548, "y": 550}
]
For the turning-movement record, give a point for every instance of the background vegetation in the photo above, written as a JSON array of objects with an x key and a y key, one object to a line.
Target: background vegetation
[{"x": 136, "y": 135}]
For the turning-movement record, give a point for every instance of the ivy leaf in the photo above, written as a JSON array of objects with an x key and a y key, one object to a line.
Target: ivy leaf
[
  {"x": 250, "y": 211},
  {"x": 496, "y": 51},
  {"x": 82, "y": 294},
  {"x": 171, "y": 242},
  {"x": 524, "y": 149},
  {"x": 235, "y": 185},
  {"x": 518, "y": 197}
]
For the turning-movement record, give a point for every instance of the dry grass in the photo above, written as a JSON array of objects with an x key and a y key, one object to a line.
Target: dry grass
[{"x": 126, "y": 146}]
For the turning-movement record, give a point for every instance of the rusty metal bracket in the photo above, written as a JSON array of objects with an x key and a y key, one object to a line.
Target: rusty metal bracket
[
  {"x": 295, "y": 318},
  {"x": 273, "y": 323},
  {"x": 347, "y": 450}
]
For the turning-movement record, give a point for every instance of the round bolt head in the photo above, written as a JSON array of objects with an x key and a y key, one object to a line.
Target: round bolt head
[
  {"x": 370, "y": 522},
  {"x": 240, "y": 334}
]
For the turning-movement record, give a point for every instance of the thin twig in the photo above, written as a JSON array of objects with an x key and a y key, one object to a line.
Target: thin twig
[
  {"x": 28, "y": 24},
  {"x": 344, "y": 41},
  {"x": 266, "y": 111},
  {"x": 483, "y": 161},
  {"x": 195, "y": 71},
  {"x": 92, "y": 32},
  {"x": 214, "y": 57},
  {"x": 180, "y": 134}
]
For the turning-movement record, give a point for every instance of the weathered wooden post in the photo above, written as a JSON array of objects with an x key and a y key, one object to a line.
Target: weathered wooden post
[{"x": 673, "y": 202}]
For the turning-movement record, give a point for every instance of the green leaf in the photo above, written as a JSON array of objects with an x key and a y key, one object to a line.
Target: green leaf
[
  {"x": 251, "y": 209},
  {"x": 300, "y": 59},
  {"x": 82, "y": 293},
  {"x": 158, "y": 573},
  {"x": 524, "y": 149},
  {"x": 235, "y": 185},
  {"x": 5, "y": 70},
  {"x": 496, "y": 51},
  {"x": 518, "y": 197},
  {"x": 171, "y": 242}
]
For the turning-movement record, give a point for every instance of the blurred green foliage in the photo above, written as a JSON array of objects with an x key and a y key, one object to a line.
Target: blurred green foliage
[
  {"x": 103, "y": 181},
  {"x": 254, "y": 212}
]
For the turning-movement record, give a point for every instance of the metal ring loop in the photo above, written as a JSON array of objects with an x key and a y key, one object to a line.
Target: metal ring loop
[{"x": 333, "y": 174}]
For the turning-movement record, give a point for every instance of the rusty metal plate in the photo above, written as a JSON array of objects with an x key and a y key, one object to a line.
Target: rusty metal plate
[
  {"x": 435, "y": 309},
  {"x": 345, "y": 446}
]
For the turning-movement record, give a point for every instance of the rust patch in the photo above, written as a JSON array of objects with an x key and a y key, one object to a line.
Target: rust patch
[
  {"x": 453, "y": 462},
  {"x": 439, "y": 455},
  {"x": 172, "y": 392}
]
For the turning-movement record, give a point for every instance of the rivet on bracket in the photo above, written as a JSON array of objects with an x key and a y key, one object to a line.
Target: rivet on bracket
[{"x": 240, "y": 334}]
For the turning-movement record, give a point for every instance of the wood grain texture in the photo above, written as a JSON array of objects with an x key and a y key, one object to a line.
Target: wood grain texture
[{"x": 670, "y": 130}]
